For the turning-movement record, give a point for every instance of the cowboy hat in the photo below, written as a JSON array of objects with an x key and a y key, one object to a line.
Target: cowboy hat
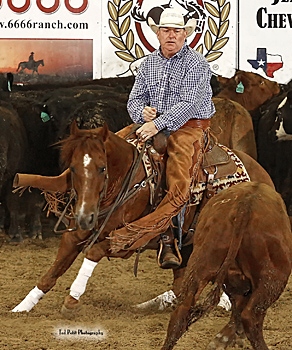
[{"x": 172, "y": 17}]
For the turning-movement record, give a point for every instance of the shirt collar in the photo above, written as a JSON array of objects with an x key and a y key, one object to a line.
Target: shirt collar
[{"x": 178, "y": 54}]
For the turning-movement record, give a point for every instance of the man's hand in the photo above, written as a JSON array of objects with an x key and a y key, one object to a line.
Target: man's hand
[
  {"x": 149, "y": 113},
  {"x": 146, "y": 131}
]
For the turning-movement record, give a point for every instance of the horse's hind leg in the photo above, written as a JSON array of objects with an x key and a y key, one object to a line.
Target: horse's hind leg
[{"x": 67, "y": 253}]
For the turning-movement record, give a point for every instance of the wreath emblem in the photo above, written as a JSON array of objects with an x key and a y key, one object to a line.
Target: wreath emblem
[{"x": 124, "y": 41}]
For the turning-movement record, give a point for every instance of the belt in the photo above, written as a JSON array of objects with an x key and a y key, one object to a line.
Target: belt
[{"x": 197, "y": 123}]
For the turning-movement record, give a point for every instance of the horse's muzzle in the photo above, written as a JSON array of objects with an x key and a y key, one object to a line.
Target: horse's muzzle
[{"x": 88, "y": 221}]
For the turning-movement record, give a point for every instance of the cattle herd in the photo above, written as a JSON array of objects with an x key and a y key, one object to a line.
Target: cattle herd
[
  {"x": 255, "y": 118},
  {"x": 35, "y": 116}
]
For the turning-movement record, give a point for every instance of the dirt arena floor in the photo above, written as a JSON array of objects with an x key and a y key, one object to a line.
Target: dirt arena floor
[{"x": 107, "y": 320}]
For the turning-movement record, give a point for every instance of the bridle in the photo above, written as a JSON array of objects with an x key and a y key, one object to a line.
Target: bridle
[{"x": 73, "y": 197}]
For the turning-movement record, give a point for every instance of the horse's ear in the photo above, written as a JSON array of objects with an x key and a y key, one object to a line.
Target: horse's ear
[
  {"x": 74, "y": 128},
  {"x": 105, "y": 132}
]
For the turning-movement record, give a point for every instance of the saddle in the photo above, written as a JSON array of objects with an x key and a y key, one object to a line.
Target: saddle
[{"x": 216, "y": 163}]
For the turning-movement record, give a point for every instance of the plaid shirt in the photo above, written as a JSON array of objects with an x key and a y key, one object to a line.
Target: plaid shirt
[{"x": 178, "y": 87}]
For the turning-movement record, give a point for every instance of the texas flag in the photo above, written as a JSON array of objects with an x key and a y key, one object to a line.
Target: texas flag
[{"x": 269, "y": 63}]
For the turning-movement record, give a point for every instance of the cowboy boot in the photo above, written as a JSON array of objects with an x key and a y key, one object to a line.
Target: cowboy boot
[{"x": 166, "y": 256}]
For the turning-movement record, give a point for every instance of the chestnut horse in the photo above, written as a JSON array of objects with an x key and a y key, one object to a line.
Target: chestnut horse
[
  {"x": 106, "y": 179},
  {"x": 243, "y": 245}
]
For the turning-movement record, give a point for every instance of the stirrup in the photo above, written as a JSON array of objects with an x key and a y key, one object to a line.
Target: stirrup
[{"x": 165, "y": 250}]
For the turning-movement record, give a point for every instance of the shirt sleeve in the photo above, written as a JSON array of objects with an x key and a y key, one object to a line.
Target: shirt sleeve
[
  {"x": 138, "y": 98},
  {"x": 195, "y": 99}
]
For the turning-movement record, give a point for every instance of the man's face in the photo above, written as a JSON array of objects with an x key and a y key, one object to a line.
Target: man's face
[{"x": 171, "y": 40}]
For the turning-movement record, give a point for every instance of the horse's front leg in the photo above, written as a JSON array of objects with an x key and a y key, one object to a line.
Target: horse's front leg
[
  {"x": 78, "y": 287},
  {"x": 92, "y": 257},
  {"x": 68, "y": 251}
]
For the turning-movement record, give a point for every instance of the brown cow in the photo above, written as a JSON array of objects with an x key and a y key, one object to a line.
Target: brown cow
[
  {"x": 233, "y": 127},
  {"x": 256, "y": 89},
  {"x": 243, "y": 245}
]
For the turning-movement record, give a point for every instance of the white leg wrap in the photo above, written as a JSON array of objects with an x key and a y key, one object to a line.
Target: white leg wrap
[
  {"x": 168, "y": 299},
  {"x": 161, "y": 302},
  {"x": 79, "y": 285},
  {"x": 225, "y": 302},
  {"x": 30, "y": 300}
]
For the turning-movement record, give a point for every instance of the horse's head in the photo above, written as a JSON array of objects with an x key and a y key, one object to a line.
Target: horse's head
[{"x": 84, "y": 153}]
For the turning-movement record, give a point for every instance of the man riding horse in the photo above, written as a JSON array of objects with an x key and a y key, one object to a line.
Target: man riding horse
[{"x": 171, "y": 92}]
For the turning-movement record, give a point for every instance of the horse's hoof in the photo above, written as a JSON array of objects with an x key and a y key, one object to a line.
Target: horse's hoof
[{"x": 70, "y": 307}]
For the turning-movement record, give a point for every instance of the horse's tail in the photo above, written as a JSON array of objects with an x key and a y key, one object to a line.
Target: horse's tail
[{"x": 240, "y": 217}]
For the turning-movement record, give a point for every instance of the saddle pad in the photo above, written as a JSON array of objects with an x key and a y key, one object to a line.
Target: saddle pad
[{"x": 222, "y": 183}]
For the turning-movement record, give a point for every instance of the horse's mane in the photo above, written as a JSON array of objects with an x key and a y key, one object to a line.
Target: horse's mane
[{"x": 88, "y": 140}]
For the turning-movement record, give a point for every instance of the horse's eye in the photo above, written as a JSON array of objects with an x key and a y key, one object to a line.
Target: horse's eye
[
  {"x": 102, "y": 169},
  {"x": 262, "y": 82}
]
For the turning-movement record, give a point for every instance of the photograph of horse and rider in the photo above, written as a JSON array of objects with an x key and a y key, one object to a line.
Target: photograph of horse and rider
[
  {"x": 30, "y": 65},
  {"x": 178, "y": 192},
  {"x": 47, "y": 60}
]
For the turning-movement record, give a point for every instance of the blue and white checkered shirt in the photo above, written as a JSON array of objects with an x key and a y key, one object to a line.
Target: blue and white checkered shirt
[{"x": 178, "y": 87}]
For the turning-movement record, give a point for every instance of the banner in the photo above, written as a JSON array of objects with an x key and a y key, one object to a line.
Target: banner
[
  {"x": 44, "y": 40},
  {"x": 50, "y": 39},
  {"x": 264, "y": 38},
  {"x": 132, "y": 39}
]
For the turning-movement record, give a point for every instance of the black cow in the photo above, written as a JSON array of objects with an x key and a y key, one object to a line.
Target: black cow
[
  {"x": 24, "y": 142},
  {"x": 274, "y": 143},
  {"x": 14, "y": 158}
]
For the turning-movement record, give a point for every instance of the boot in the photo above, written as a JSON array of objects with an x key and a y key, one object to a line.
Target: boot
[{"x": 166, "y": 256}]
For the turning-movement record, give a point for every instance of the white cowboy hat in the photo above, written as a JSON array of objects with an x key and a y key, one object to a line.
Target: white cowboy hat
[{"x": 172, "y": 17}]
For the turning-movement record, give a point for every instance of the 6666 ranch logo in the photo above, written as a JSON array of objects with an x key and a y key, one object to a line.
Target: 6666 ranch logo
[
  {"x": 54, "y": 6},
  {"x": 132, "y": 36}
]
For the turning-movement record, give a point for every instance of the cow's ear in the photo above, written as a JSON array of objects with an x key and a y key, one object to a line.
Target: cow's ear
[
  {"x": 240, "y": 77},
  {"x": 74, "y": 128},
  {"x": 105, "y": 132}
]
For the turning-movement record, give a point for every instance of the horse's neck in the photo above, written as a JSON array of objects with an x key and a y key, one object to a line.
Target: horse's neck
[{"x": 120, "y": 155}]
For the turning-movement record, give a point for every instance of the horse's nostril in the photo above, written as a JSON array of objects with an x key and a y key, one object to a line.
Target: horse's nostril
[
  {"x": 86, "y": 222},
  {"x": 91, "y": 219}
]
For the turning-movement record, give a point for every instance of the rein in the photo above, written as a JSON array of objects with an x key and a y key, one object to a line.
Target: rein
[{"x": 62, "y": 216}]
